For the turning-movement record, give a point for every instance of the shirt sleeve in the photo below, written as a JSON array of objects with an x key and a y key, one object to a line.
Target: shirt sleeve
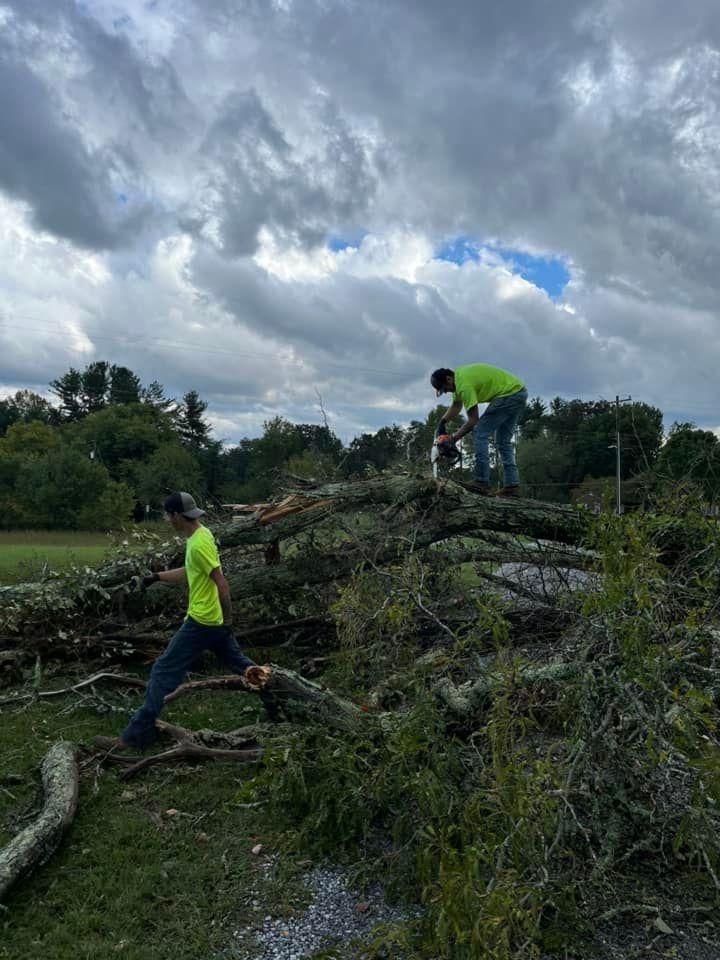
[{"x": 205, "y": 556}]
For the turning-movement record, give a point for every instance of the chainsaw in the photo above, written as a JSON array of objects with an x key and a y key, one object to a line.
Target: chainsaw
[{"x": 444, "y": 449}]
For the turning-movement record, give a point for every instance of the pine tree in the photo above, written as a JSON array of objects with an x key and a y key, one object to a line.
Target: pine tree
[
  {"x": 95, "y": 386},
  {"x": 154, "y": 395},
  {"x": 194, "y": 430},
  {"x": 67, "y": 389},
  {"x": 124, "y": 386}
]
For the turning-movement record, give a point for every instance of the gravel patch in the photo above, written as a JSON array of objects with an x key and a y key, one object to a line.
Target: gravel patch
[{"x": 336, "y": 916}]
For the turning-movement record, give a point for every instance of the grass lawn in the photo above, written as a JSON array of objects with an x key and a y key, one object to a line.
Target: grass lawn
[
  {"x": 132, "y": 879},
  {"x": 27, "y": 554}
]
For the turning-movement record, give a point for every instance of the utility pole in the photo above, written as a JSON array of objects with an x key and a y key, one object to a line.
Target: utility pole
[{"x": 618, "y": 481}]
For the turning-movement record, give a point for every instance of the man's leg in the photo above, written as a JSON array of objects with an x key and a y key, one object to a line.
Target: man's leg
[
  {"x": 228, "y": 652},
  {"x": 167, "y": 673},
  {"x": 489, "y": 423},
  {"x": 481, "y": 436},
  {"x": 512, "y": 408}
]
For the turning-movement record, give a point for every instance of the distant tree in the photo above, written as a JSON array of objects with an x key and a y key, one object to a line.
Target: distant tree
[
  {"x": 124, "y": 386},
  {"x": 29, "y": 441},
  {"x": 544, "y": 464},
  {"x": 375, "y": 450},
  {"x": 268, "y": 454},
  {"x": 26, "y": 406},
  {"x": 110, "y": 510},
  {"x": 193, "y": 428},
  {"x": 170, "y": 467},
  {"x": 691, "y": 455},
  {"x": 95, "y": 386},
  {"x": 121, "y": 433},
  {"x": 59, "y": 486},
  {"x": 532, "y": 421},
  {"x": 24, "y": 443},
  {"x": 154, "y": 395},
  {"x": 235, "y": 465},
  {"x": 319, "y": 439},
  {"x": 587, "y": 428},
  {"x": 68, "y": 390}
]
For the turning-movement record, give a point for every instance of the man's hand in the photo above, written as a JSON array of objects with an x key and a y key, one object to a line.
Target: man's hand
[
  {"x": 257, "y": 677},
  {"x": 140, "y": 584},
  {"x": 446, "y": 447}
]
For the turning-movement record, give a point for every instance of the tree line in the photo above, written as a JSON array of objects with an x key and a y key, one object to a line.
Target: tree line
[{"x": 107, "y": 445}]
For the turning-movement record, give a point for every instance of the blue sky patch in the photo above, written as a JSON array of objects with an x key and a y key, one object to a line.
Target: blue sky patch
[
  {"x": 548, "y": 273},
  {"x": 336, "y": 242},
  {"x": 459, "y": 250}
]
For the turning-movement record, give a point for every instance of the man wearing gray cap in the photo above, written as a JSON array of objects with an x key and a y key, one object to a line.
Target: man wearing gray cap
[{"x": 207, "y": 625}]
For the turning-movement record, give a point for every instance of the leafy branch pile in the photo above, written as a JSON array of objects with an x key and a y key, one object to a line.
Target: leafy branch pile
[{"x": 526, "y": 760}]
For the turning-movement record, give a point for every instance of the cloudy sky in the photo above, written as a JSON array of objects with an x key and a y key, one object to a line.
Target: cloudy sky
[{"x": 267, "y": 199}]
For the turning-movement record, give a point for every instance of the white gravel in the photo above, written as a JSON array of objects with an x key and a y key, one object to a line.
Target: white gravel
[{"x": 336, "y": 916}]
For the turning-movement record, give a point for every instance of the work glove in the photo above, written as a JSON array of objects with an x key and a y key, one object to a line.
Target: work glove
[
  {"x": 140, "y": 584},
  {"x": 441, "y": 429}
]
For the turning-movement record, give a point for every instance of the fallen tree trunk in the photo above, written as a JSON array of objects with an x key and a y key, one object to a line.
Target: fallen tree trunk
[
  {"x": 463, "y": 512},
  {"x": 35, "y": 844},
  {"x": 466, "y": 699},
  {"x": 294, "y": 696},
  {"x": 417, "y": 514}
]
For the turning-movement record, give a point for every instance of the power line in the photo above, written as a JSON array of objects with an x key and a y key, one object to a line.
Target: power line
[{"x": 176, "y": 345}]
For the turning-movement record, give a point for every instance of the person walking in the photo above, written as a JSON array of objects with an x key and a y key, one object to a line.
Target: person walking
[
  {"x": 506, "y": 397},
  {"x": 207, "y": 625}
]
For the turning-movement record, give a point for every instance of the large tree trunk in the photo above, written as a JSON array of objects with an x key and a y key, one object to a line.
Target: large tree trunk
[
  {"x": 37, "y": 843},
  {"x": 400, "y": 515}
]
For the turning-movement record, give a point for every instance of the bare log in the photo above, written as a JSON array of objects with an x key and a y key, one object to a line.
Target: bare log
[
  {"x": 35, "y": 844},
  {"x": 294, "y": 696}
]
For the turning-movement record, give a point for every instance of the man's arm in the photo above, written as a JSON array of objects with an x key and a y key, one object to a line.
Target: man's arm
[
  {"x": 223, "y": 589},
  {"x": 451, "y": 412},
  {"x": 472, "y": 419},
  {"x": 172, "y": 576}
]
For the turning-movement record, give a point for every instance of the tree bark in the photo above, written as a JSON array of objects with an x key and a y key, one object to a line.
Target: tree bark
[
  {"x": 419, "y": 512},
  {"x": 35, "y": 844},
  {"x": 468, "y": 698},
  {"x": 294, "y": 696}
]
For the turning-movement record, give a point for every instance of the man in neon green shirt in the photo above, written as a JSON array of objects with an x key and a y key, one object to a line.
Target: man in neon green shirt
[
  {"x": 207, "y": 626},
  {"x": 506, "y": 397}
]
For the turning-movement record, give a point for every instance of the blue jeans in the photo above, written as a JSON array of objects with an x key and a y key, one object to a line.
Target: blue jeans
[
  {"x": 170, "y": 668},
  {"x": 500, "y": 418}
]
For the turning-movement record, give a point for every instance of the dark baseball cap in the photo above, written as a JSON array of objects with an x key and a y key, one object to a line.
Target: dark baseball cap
[{"x": 183, "y": 503}]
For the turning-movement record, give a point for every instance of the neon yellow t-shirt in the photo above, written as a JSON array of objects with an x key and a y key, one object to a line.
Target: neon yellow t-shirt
[
  {"x": 480, "y": 383},
  {"x": 201, "y": 558}
]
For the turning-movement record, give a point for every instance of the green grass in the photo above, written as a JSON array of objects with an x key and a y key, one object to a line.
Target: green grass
[
  {"x": 29, "y": 554},
  {"x": 129, "y": 880}
]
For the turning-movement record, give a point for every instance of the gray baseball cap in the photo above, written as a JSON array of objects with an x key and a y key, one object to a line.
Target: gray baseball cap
[{"x": 183, "y": 503}]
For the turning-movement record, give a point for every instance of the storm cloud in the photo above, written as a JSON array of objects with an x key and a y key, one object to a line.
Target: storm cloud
[{"x": 250, "y": 198}]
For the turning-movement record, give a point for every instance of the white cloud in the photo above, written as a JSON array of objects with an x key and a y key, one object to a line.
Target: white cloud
[{"x": 168, "y": 206}]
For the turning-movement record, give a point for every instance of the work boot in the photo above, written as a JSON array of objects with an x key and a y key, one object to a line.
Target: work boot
[
  {"x": 476, "y": 486},
  {"x": 511, "y": 491}
]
